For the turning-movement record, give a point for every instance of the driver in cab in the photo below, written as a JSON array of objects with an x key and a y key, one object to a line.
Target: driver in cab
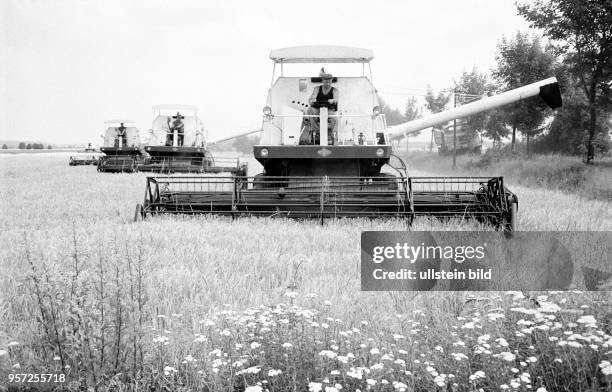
[{"x": 324, "y": 95}]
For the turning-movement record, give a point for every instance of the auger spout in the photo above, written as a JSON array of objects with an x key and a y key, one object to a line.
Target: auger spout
[{"x": 547, "y": 89}]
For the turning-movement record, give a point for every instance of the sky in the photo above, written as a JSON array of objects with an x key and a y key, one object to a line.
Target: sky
[{"x": 66, "y": 66}]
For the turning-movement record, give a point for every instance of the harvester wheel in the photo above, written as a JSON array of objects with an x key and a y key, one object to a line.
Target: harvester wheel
[
  {"x": 512, "y": 223},
  {"x": 138, "y": 214}
]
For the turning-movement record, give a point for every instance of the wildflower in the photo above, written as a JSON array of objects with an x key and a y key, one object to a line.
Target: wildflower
[
  {"x": 398, "y": 336},
  {"x": 377, "y": 366},
  {"x": 355, "y": 373},
  {"x": 541, "y": 389},
  {"x": 439, "y": 348},
  {"x": 559, "y": 360},
  {"x": 328, "y": 353},
  {"x": 331, "y": 389},
  {"x": 200, "y": 339},
  {"x": 495, "y": 316},
  {"x": 549, "y": 307},
  {"x": 162, "y": 340},
  {"x": 169, "y": 370},
  {"x": 239, "y": 363},
  {"x": 342, "y": 359},
  {"x": 287, "y": 345},
  {"x": 13, "y": 343},
  {"x": 502, "y": 342},
  {"x": 459, "y": 343},
  {"x": 189, "y": 358},
  {"x": 515, "y": 384},
  {"x": 315, "y": 387},
  {"x": 484, "y": 338},
  {"x": 374, "y": 351},
  {"x": 274, "y": 372},
  {"x": 291, "y": 294},
  {"x": 327, "y": 303},
  {"x": 507, "y": 356},
  {"x": 403, "y": 352},
  {"x": 324, "y": 325},
  {"x": 254, "y": 388},
  {"x": 459, "y": 356},
  {"x": 477, "y": 375},
  {"x": 606, "y": 367},
  {"x": 588, "y": 321},
  {"x": 400, "y": 386},
  {"x": 56, "y": 358},
  {"x": 371, "y": 382},
  {"x": 532, "y": 359},
  {"x": 251, "y": 370},
  {"x": 255, "y": 345},
  {"x": 440, "y": 381},
  {"x": 504, "y": 387}
]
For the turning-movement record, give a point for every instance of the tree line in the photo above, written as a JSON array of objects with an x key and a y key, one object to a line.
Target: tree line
[
  {"x": 29, "y": 146},
  {"x": 578, "y": 52}
]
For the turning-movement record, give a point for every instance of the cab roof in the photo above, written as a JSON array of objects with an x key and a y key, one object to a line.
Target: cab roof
[
  {"x": 175, "y": 107},
  {"x": 321, "y": 54},
  {"x": 120, "y": 121}
]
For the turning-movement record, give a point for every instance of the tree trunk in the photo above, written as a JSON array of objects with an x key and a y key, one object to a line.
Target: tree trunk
[
  {"x": 592, "y": 125},
  {"x": 528, "y": 150},
  {"x": 513, "y": 137}
]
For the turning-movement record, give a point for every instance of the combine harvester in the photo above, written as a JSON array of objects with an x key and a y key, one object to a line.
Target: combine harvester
[
  {"x": 308, "y": 174},
  {"x": 84, "y": 159},
  {"x": 177, "y": 144},
  {"x": 121, "y": 147}
]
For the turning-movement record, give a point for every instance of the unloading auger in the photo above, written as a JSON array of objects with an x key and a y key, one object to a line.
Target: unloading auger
[{"x": 348, "y": 171}]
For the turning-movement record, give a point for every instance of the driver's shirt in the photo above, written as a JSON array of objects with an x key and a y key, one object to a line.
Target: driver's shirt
[
  {"x": 321, "y": 97},
  {"x": 178, "y": 126}
]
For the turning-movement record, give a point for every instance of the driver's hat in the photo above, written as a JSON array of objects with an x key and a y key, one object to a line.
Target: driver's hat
[{"x": 326, "y": 76}]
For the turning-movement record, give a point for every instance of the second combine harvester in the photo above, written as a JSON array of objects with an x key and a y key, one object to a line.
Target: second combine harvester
[{"x": 352, "y": 173}]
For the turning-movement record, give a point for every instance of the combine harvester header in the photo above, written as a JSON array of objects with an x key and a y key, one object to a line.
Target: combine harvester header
[{"x": 326, "y": 152}]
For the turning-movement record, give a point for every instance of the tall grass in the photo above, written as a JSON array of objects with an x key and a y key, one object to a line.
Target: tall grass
[{"x": 216, "y": 304}]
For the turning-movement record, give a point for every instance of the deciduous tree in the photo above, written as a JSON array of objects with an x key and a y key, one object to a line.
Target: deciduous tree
[
  {"x": 521, "y": 61},
  {"x": 582, "y": 31}
]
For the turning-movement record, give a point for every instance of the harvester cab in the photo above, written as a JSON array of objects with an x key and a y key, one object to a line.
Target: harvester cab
[
  {"x": 325, "y": 158},
  {"x": 299, "y": 141},
  {"x": 178, "y": 141},
  {"x": 121, "y": 146}
]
